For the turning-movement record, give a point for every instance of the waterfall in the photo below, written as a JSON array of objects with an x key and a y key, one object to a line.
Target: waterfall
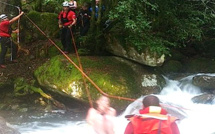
[{"x": 175, "y": 97}]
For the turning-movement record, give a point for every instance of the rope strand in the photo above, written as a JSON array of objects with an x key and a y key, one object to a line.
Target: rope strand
[
  {"x": 80, "y": 69},
  {"x": 79, "y": 61},
  {"x": 67, "y": 57}
]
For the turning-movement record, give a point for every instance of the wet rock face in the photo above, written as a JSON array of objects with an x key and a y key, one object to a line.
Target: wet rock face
[
  {"x": 145, "y": 57},
  {"x": 204, "y": 81},
  {"x": 207, "y": 85},
  {"x": 113, "y": 75},
  {"x": 204, "y": 98},
  {"x": 5, "y": 129}
]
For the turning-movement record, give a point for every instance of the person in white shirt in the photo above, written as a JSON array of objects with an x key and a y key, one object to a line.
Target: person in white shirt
[{"x": 101, "y": 118}]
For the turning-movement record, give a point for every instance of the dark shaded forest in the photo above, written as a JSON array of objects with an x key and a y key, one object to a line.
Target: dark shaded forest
[{"x": 158, "y": 26}]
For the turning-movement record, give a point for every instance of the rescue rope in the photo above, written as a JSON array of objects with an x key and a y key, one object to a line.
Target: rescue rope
[
  {"x": 84, "y": 74},
  {"x": 80, "y": 65},
  {"x": 79, "y": 68}
]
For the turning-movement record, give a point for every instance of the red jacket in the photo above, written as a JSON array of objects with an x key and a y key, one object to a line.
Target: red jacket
[
  {"x": 152, "y": 120},
  {"x": 4, "y": 28},
  {"x": 67, "y": 18}
]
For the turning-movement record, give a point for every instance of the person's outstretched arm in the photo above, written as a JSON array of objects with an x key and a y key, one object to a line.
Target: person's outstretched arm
[{"x": 16, "y": 18}]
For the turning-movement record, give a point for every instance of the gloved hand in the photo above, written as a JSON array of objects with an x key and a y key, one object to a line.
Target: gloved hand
[
  {"x": 70, "y": 26},
  {"x": 60, "y": 26}
]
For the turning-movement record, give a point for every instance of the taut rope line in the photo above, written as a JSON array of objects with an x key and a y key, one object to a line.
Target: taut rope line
[
  {"x": 79, "y": 61},
  {"x": 67, "y": 57},
  {"x": 80, "y": 69}
]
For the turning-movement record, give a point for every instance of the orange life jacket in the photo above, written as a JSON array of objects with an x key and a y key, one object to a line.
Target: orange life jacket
[{"x": 153, "y": 122}]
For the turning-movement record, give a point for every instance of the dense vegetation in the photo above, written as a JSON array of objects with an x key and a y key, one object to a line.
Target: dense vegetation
[
  {"x": 155, "y": 25},
  {"x": 163, "y": 24}
]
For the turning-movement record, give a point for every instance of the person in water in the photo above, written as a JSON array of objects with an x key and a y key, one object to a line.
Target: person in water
[
  {"x": 101, "y": 118},
  {"x": 5, "y": 38},
  {"x": 152, "y": 119}
]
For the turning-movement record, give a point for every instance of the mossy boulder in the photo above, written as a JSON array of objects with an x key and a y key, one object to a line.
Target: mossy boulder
[
  {"x": 144, "y": 57},
  {"x": 115, "y": 76}
]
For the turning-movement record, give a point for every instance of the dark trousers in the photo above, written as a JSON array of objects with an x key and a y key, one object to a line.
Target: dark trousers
[
  {"x": 84, "y": 30},
  {"x": 66, "y": 39},
  {"x": 7, "y": 42}
]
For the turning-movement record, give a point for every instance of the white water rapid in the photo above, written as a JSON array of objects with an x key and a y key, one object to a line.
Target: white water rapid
[{"x": 175, "y": 97}]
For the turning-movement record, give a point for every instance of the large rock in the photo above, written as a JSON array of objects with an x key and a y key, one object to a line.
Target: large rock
[
  {"x": 204, "y": 98},
  {"x": 204, "y": 81},
  {"x": 146, "y": 57},
  {"x": 115, "y": 76}
]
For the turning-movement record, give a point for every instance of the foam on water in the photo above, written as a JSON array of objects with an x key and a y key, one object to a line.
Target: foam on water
[{"x": 175, "y": 97}]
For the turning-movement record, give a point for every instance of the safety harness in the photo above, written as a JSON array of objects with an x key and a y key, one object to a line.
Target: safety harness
[{"x": 64, "y": 20}]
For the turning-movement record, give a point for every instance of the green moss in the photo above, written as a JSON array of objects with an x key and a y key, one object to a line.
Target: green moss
[
  {"x": 110, "y": 75},
  {"x": 22, "y": 87},
  {"x": 52, "y": 50},
  {"x": 47, "y": 22}
]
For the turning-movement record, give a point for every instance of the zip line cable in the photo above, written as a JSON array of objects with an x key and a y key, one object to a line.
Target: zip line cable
[
  {"x": 79, "y": 61},
  {"x": 84, "y": 74}
]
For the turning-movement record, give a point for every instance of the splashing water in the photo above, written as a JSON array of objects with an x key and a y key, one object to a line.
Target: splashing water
[{"x": 175, "y": 98}]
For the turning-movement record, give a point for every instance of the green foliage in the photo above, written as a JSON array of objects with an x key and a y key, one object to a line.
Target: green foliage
[
  {"x": 22, "y": 88},
  {"x": 160, "y": 25},
  {"x": 38, "y": 5},
  {"x": 52, "y": 6},
  {"x": 45, "y": 21},
  {"x": 55, "y": 71},
  {"x": 106, "y": 72}
]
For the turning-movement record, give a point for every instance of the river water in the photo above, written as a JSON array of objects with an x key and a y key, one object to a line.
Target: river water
[{"x": 175, "y": 97}]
